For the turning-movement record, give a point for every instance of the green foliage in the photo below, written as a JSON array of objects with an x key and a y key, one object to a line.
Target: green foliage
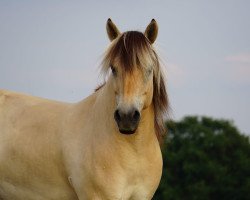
[{"x": 205, "y": 159}]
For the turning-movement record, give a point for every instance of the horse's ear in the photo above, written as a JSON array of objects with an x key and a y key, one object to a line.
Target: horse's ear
[
  {"x": 112, "y": 30},
  {"x": 151, "y": 31}
]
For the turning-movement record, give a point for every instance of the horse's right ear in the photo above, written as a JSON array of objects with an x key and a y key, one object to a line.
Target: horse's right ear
[{"x": 112, "y": 30}]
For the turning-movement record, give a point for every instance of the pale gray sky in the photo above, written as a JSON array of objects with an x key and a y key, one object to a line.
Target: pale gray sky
[{"x": 53, "y": 48}]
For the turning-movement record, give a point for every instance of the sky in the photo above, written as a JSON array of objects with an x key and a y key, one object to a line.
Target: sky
[{"x": 53, "y": 49}]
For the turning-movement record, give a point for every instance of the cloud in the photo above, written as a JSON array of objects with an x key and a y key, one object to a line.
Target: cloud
[
  {"x": 238, "y": 68},
  {"x": 240, "y": 73},
  {"x": 240, "y": 58}
]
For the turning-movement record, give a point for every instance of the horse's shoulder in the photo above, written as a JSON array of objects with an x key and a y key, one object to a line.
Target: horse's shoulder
[
  {"x": 3, "y": 92},
  {"x": 11, "y": 96},
  {"x": 5, "y": 95}
]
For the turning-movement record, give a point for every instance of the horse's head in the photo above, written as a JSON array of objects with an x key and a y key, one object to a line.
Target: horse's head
[{"x": 135, "y": 73}]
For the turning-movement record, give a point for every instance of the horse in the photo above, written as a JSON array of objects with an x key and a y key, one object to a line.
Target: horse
[{"x": 107, "y": 146}]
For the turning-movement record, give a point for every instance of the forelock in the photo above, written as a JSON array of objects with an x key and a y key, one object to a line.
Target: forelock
[{"x": 132, "y": 49}]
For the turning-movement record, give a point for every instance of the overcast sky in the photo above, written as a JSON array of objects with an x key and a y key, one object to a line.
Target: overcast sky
[{"x": 52, "y": 49}]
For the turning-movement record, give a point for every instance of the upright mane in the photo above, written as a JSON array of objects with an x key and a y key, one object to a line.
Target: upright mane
[{"x": 133, "y": 49}]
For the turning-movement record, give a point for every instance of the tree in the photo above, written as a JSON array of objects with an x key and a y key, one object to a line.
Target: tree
[{"x": 205, "y": 159}]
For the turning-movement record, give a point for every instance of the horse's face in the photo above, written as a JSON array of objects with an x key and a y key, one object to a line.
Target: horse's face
[
  {"x": 133, "y": 87},
  {"x": 134, "y": 92}
]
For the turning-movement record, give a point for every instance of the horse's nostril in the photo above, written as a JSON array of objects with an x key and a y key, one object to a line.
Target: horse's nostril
[
  {"x": 136, "y": 115},
  {"x": 117, "y": 116}
]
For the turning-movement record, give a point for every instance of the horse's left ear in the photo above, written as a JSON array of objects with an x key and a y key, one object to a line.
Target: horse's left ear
[
  {"x": 112, "y": 30},
  {"x": 151, "y": 31}
]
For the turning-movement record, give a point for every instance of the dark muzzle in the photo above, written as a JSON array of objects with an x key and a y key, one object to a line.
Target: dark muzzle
[{"x": 127, "y": 122}]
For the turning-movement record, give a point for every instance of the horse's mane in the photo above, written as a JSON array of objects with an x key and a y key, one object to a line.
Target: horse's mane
[{"x": 133, "y": 49}]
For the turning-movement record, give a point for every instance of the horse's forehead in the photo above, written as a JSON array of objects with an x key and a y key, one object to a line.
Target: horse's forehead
[
  {"x": 133, "y": 82},
  {"x": 134, "y": 73},
  {"x": 137, "y": 79}
]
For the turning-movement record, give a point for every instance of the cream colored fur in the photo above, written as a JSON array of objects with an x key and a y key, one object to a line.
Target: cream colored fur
[{"x": 54, "y": 150}]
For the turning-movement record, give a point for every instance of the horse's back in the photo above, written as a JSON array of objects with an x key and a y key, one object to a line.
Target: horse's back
[
  {"x": 20, "y": 113},
  {"x": 30, "y": 151}
]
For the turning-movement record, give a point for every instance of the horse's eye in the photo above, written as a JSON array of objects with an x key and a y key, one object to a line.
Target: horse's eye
[{"x": 113, "y": 70}]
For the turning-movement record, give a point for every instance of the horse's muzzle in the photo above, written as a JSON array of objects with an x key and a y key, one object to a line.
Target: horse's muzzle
[{"x": 127, "y": 122}]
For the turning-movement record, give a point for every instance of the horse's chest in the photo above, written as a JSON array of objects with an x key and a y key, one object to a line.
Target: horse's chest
[{"x": 138, "y": 181}]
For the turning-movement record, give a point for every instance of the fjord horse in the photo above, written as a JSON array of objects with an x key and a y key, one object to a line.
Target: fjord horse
[{"x": 103, "y": 147}]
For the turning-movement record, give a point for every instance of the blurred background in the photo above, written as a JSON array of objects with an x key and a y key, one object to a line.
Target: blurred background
[{"x": 53, "y": 49}]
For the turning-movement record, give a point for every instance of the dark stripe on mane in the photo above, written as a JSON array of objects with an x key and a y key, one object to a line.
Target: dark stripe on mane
[
  {"x": 97, "y": 88},
  {"x": 133, "y": 49},
  {"x": 160, "y": 102}
]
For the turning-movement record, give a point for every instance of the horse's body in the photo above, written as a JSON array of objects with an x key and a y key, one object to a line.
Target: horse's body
[
  {"x": 55, "y": 150},
  {"x": 31, "y": 164}
]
